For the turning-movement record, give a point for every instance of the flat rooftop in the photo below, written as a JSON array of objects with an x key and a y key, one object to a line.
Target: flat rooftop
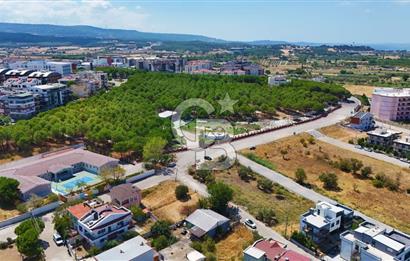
[{"x": 392, "y": 92}]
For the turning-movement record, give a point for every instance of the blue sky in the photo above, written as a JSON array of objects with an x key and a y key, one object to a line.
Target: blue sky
[{"x": 332, "y": 21}]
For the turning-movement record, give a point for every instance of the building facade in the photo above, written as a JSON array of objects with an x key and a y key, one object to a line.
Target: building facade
[
  {"x": 325, "y": 220},
  {"x": 382, "y": 137},
  {"x": 371, "y": 243},
  {"x": 362, "y": 121},
  {"x": 391, "y": 104}
]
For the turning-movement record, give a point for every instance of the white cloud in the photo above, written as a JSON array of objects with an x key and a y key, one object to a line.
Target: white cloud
[{"x": 102, "y": 13}]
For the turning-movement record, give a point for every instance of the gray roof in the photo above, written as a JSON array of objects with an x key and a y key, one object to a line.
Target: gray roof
[
  {"x": 206, "y": 219},
  {"x": 129, "y": 250}
]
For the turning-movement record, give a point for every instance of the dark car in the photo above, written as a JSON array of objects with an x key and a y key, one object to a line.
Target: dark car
[{"x": 207, "y": 158}]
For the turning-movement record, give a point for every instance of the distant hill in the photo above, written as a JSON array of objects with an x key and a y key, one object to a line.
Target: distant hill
[{"x": 100, "y": 33}]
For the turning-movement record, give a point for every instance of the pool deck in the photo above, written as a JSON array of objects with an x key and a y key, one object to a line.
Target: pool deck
[{"x": 69, "y": 185}]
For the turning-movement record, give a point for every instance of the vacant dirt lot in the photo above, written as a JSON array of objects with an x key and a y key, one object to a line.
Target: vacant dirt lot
[
  {"x": 8, "y": 213},
  {"x": 342, "y": 133},
  {"x": 231, "y": 247},
  {"x": 10, "y": 254},
  {"x": 387, "y": 206},
  {"x": 248, "y": 195},
  {"x": 360, "y": 89},
  {"x": 162, "y": 201}
]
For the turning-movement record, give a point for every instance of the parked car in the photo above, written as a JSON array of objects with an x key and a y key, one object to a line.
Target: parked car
[
  {"x": 171, "y": 165},
  {"x": 207, "y": 158},
  {"x": 250, "y": 223},
  {"x": 58, "y": 239}
]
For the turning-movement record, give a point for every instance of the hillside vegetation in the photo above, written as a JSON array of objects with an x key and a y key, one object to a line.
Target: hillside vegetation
[{"x": 122, "y": 119}]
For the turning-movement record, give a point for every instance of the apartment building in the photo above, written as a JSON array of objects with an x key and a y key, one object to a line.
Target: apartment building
[
  {"x": 98, "y": 223},
  {"x": 20, "y": 106},
  {"x": 21, "y": 83},
  {"x": 52, "y": 95},
  {"x": 363, "y": 121},
  {"x": 63, "y": 68},
  {"x": 158, "y": 64},
  {"x": 391, "y": 104},
  {"x": 371, "y": 243},
  {"x": 197, "y": 65},
  {"x": 382, "y": 137},
  {"x": 326, "y": 220},
  {"x": 277, "y": 80},
  {"x": 237, "y": 67},
  {"x": 402, "y": 146}
]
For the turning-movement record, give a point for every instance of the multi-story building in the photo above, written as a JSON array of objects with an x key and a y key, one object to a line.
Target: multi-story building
[
  {"x": 382, "y": 137},
  {"x": 325, "y": 221},
  {"x": 391, "y": 104},
  {"x": 371, "y": 243},
  {"x": 52, "y": 95},
  {"x": 277, "y": 80},
  {"x": 248, "y": 68},
  {"x": 19, "y": 105},
  {"x": 45, "y": 76},
  {"x": 402, "y": 146},
  {"x": 159, "y": 64},
  {"x": 20, "y": 83},
  {"x": 198, "y": 65},
  {"x": 63, "y": 68},
  {"x": 98, "y": 223},
  {"x": 362, "y": 121}
]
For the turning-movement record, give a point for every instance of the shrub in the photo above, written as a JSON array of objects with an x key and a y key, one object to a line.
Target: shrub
[
  {"x": 311, "y": 140},
  {"x": 300, "y": 175},
  {"x": 379, "y": 180},
  {"x": 265, "y": 184},
  {"x": 246, "y": 174},
  {"x": 267, "y": 216},
  {"x": 330, "y": 181},
  {"x": 22, "y": 208},
  {"x": 366, "y": 172},
  {"x": 138, "y": 214},
  {"x": 303, "y": 239},
  {"x": 129, "y": 234},
  {"x": 181, "y": 192}
]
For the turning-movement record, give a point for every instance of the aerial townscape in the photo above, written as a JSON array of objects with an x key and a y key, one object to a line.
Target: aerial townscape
[{"x": 121, "y": 144}]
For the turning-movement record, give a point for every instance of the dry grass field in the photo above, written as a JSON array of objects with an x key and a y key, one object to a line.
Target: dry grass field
[
  {"x": 162, "y": 202},
  {"x": 248, "y": 195},
  {"x": 231, "y": 247},
  {"x": 10, "y": 254},
  {"x": 360, "y": 89},
  {"x": 342, "y": 133},
  {"x": 387, "y": 206},
  {"x": 8, "y": 213}
]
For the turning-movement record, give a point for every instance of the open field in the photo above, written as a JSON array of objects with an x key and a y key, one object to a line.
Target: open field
[
  {"x": 342, "y": 133},
  {"x": 390, "y": 207},
  {"x": 8, "y": 213},
  {"x": 360, "y": 89},
  {"x": 231, "y": 247},
  {"x": 162, "y": 202},
  {"x": 248, "y": 195}
]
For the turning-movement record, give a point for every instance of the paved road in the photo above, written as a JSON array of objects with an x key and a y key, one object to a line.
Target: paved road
[{"x": 344, "y": 145}]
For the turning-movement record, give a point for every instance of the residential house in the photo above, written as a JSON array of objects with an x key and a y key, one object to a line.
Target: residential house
[
  {"x": 135, "y": 249},
  {"x": 325, "y": 220},
  {"x": 125, "y": 195},
  {"x": 362, "y": 121},
  {"x": 98, "y": 223},
  {"x": 18, "y": 105},
  {"x": 206, "y": 222},
  {"x": 271, "y": 250},
  {"x": 371, "y": 243},
  {"x": 277, "y": 80},
  {"x": 382, "y": 137}
]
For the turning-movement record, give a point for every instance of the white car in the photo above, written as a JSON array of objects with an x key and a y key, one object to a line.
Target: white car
[
  {"x": 58, "y": 239},
  {"x": 250, "y": 223}
]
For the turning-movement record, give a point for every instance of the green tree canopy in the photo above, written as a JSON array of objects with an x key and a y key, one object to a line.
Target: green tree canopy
[
  {"x": 9, "y": 191},
  {"x": 220, "y": 195}
]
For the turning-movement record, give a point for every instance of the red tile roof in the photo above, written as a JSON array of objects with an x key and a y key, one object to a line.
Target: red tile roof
[
  {"x": 291, "y": 255},
  {"x": 79, "y": 210},
  {"x": 271, "y": 248}
]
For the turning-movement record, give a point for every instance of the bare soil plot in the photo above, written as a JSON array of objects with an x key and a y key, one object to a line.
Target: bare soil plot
[
  {"x": 360, "y": 89},
  {"x": 10, "y": 254},
  {"x": 248, "y": 195},
  {"x": 231, "y": 247},
  {"x": 162, "y": 202},
  {"x": 390, "y": 207},
  {"x": 342, "y": 133}
]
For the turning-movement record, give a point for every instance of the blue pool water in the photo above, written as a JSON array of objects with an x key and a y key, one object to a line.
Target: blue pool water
[{"x": 73, "y": 183}]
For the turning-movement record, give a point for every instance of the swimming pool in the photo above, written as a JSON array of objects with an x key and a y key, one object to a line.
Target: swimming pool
[{"x": 80, "y": 179}]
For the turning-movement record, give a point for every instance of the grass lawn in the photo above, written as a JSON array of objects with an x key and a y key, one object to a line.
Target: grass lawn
[
  {"x": 247, "y": 194},
  {"x": 390, "y": 207},
  {"x": 163, "y": 203},
  {"x": 342, "y": 133},
  {"x": 231, "y": 247}
]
